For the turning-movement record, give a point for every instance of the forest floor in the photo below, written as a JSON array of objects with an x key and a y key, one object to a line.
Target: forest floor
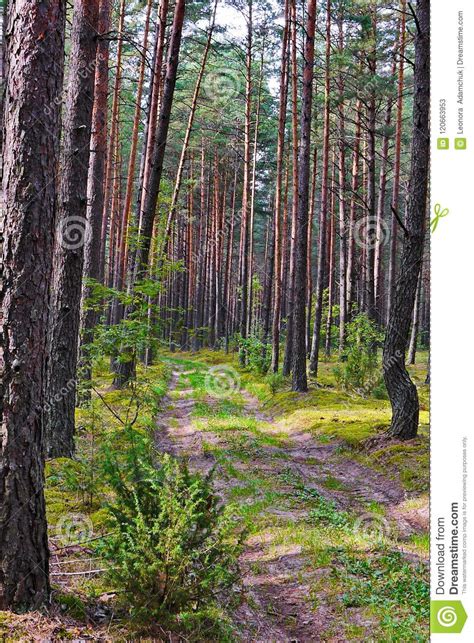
[{"x": 336, "y": 515}]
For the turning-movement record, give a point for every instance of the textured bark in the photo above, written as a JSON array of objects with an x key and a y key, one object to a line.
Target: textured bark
[
  {"x": 113, "y": 137},
  {"x": 133, "y": 155},
  {"x": 396, "y": 167},
  {"x": 244, "y": 229},
  {"x": 125, "y": 370},
  {"x": 154, "y": 104},
  {"x": 93, "y": 260},
  {"x": 402, "y": 392},
  {"x": 351, "y": 277},
  {"x": 72, "y": 230},
  {"x": 253, "y": 191},
  {"x": 227, "y": 297},
  {"x": 189, "y": 128},
  {"x": 369, "y": 298},
  {"x": 300, "y": 382},
  {"x": 151, "y": 199},
  {"x": 314, "y": 358},
  {"x": 3, "y": 71},
  {"x": 35, "y": 52},
  {"x": 331, "y": 262},
  {"x": 342, "y": 195},
  {"x": 290, "y": 284},
  {"x": 278, "y": 194},
  {"x": 380, "y": 233},
  {"x": 415, "y": 324}
]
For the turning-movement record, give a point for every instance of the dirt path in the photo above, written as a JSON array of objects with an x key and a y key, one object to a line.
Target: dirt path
[{"x": 278, "y": 576}]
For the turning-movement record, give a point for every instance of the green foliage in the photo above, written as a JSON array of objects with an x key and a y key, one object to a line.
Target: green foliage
[
  {"x": 258, "y": 353},
  {"x": 137, "y": 329},
  {"x": 71, "y": 605},
  {"x": 324, "y": 511},
  {"x": 389, "y": 584},
  {"x": 275, "y": 382},
  {"x": 172, "y": 547},
  {"x": 359, "y": 369}
]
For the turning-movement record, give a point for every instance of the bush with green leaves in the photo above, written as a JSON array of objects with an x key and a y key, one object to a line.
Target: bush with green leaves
[
  {"x": 275, "y": 382},
  {"x": 257, "y": 352},
  {"x": 172, "y": 547},
  {"x": 359, "y": 370}
]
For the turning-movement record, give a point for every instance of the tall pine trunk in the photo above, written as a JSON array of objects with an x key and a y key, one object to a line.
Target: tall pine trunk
[
  {"x": 401, "y": 390},
  {"x": 300, "y": 382},
  {"x": 93, "y": 261},
  {"x": 392, "y": 267},
  {"x": 290, "y": 284},
  {"x": 126, "y": 369},
  {"x": 35, "y": 54},
  {"x": 278, "y": 196},
  {"x": 73, "y": 230},
  {"x": 245, "y": 221},
  {"x": 314, "y": 358}
]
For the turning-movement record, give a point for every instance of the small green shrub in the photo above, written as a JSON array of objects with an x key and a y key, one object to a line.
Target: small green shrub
[
  {"x": 275, "y": 382},
  {"x": 380, "y": 390},
  {"x": 172, "y": 547},
  {"x": 257, "y": 353},
  {"x": 359, "y": 368}
]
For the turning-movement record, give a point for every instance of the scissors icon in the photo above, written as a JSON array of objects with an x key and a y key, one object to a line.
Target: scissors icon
[{"x": 439, "y": 214}]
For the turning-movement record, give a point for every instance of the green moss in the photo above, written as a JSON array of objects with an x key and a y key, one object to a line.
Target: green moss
[
  {"x": 332, "y": 483},
  {"x": 409, "y": 461},
  {"x": 71, "y": 604}
]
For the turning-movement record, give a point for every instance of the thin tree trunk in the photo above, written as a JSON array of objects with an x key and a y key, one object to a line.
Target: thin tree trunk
[
  {"x": 371, "y": 159},
  {"x": 253, "y": 193},
  {"x": 125, "y": 369},
  {"x": 111, "y": 159},
  {"x": 160, "y": 143},
  {"x": 380, "y": 237},
  {"x": 30, "y": 158},
  {"x": 314, "y": 358},
  {"x": 288, "y": 356},
  {"x": 244, "y": 230},
  {"x": 331, "y": 262},
  {"x": 93, "y": 261},
  {"x": 301, "y": 271},
  {"x": 415, "y": 324},
  {"x": 122, "y": 258},
  {"x": 73, "y": 230},
  {"x": 189, "y": 128},
  {"x": 392, "y": 267},
  {"x": 149, "y": 145},
  {"x": 342, "y": 197},
  {"x": 350, "y": 281},
  {"x": 278, "y": 193},
  {"x": 309, "y": 302}
]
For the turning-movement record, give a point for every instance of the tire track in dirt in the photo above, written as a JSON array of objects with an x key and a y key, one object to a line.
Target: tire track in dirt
[{"x": 277, "y": 579}]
